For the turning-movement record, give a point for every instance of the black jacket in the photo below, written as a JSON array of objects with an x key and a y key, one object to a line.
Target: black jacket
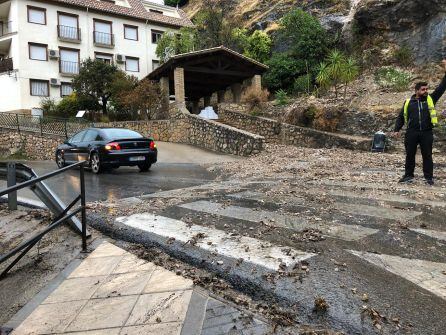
[{"x": 418, "y": 111}]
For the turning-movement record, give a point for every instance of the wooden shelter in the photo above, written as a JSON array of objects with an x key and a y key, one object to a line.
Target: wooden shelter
[{"x": 199, "y": 74}]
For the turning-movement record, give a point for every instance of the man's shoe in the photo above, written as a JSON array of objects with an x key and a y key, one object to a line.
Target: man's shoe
[
  {"x": 406, "y": 179},
  {"x": 429, "y": 181}
]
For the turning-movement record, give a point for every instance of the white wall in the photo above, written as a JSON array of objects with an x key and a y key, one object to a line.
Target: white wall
[
  {"x": 9, "y": 93},
  {"x": 47, "y": 34}
]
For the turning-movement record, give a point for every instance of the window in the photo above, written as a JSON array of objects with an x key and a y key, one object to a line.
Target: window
[
  {"x": 65, "y": 89},
  {"x": 39, "y": 88},
  {"x": 156, "y": 11},
  {"x": 130, "y": 32},
  {"x": 68, "y": 27},
  {"x": 155, "y": 64},
  {"x": 78, "y": 137},
  {"x": 36, "y": 15},
  {"x": 132, "y": 64},
  {"x": 156, "y": 35},
  {"x": 107, "y": 58},
  {"x": 69, "y": 61},
  {"x": 38, "y": 51},
  {"x": 91, "y": 136},
  {"x": 103, "y": 32}
]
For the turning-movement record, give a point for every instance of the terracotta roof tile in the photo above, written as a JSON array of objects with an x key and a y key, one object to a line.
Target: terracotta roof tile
[{"x": 136, "y": 10}]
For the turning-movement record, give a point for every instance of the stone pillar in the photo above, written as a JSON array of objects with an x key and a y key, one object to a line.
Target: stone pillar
[
  {"x": 196, "y": 107},
  {"x": 165, "y": 90},
  {"x": 207, "y": 101},
  {"x": 256, "y": 84},
  {"x": 236, "y": 92},
  {"x": 221, "y": 96},
  {"x": 180, "y": 95}
]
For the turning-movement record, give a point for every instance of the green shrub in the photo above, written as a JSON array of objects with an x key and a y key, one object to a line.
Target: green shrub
[
  {"x": 302, "y": 84},
  {"x": 48, "y": 106},
  {"x": 403, "y": 56},
  {"x": 283, "y": 68},
  {"x": 393, "y": 79},
  {"x": 281, "y": 97},
  {"x": 68, "y": 106}
]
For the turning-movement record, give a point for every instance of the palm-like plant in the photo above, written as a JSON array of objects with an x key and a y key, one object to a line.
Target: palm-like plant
[
  {"x": 350, "y": 72},
  {"x": 323, "y": 77},
  {"x": 336, "y": 70},
  {"x": 336, "y": 61}
]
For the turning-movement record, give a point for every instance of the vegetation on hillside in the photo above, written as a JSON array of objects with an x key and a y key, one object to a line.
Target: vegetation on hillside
[{"x": 100, "y": 86}]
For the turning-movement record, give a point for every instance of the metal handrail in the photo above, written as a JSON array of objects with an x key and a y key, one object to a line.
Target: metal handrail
[
  {"x": 63, "y": 217},
  {"x": 6, "y": 65},
  {"x": 103, "y": 38},
  {"x": 70, "y": 33}
]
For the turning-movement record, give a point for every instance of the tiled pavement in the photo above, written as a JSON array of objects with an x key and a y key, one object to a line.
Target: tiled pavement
[{"x": 114, "y": 292}]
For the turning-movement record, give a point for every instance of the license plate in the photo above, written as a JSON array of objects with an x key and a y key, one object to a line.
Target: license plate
[{"x": 137, "y": 158}]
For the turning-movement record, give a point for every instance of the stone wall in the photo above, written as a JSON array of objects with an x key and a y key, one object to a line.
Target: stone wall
[
  {"x": 283, "y": 133},
  {"x": 31, "y": 145},
  {"x": 185, "y": 128},
  {"x": 222, "y": 138}
]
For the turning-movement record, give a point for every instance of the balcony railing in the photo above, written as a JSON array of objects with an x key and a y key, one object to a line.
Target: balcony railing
[
  {"x": 5, "y": 28},
  {"x": 103, "y": 38},
  {"x": 67, "y": 67},
  {"x": 6, "y": 65},
  {"x": 69, "y": 33}
]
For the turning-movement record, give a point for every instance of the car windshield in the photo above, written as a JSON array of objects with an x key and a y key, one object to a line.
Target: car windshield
[{"x": 117, "y": 134}]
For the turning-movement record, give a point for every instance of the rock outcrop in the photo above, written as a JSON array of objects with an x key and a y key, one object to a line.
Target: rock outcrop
[{"x": 419, "y": 24}]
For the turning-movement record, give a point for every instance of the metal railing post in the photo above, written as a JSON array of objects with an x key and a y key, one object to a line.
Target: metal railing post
[
  {"x": 65, "y": 126},
  {"x": 18, "y": 122},
  {"x": 83, "y": 212},
  {"x": 11, "y": 181},
  {"x": 41, "y": 126}
]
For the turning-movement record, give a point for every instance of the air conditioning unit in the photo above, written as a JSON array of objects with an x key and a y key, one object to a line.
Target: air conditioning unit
[
  {"x": 120, "y": 58},
  {"x": 53, "y": 54},
  {"x": 54, "y": 82}
]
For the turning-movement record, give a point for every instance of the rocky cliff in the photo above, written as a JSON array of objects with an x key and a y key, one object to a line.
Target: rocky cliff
[{"x": 419, "y": 24}]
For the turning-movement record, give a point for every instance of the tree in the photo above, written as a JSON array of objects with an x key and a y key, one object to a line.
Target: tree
[
  {"x": 146, "y": 98},
  {"x": 338, "y": 69},
  {"x": 172, "y": 43},
  {"x": 350, "y": 73},
  {"x": 283, "y": 69},
  {"x": 304, "y": 37},
  {"x": 94, "y": 82},
  {"x": 175, "y": 3},
  {"x": 304, "y": 44},
  {"x": 258, "y": 46}
]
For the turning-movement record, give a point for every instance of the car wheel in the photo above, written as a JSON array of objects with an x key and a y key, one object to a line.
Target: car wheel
[
  {"x": 144, "y": 167},
  {"x": 60, "y": 159},
  {"x": 95, "y": 163}
]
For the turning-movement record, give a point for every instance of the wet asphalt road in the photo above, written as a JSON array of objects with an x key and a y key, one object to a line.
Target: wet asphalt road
[{"x": 178, "y": 166}]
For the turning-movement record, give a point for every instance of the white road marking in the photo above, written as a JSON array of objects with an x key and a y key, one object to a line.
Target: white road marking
[
  {"x": 377, "y": 197},
  {"x": 428, "y": 275},
  {"x": 439, "y": 235},
  {"x": 358, "y": 209},
  {"x": 257, "y": 252},
  {"x": 345, "y": 232},
  {"x": 197, "y": 191}
]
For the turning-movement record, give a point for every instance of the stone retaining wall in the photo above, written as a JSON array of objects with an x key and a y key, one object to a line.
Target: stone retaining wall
[
  {"x": 283, "y": 133},
  {"x": 185, "y": 128},
  {"x": 222, "y": 138}
]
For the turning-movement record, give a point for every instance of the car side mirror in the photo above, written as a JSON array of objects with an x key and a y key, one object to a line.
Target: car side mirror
[{"x": 66, "y": 142}]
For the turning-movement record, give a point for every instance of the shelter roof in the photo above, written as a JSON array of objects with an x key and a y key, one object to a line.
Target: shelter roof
[{"x": 210, "y": 70}]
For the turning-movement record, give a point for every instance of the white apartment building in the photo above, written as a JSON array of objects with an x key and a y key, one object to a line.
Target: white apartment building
[{"x": 42, "y": 43}]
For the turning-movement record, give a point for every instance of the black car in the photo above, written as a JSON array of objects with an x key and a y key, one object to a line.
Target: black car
[{"x": 108, "y": 148}]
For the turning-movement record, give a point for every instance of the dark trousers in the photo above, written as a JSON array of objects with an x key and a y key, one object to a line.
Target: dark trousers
[{"x": 425, "y": 139}]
